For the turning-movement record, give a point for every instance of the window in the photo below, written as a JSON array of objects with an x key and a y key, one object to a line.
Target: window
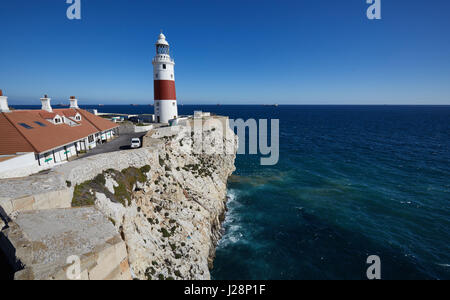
[
  {"x": 24, "y": 125},
  {"x": 40, "y": 124},
  {"x": 156, "y": 75},
  {"x": 164, "y": 66},
  {"x": 78, "y": 118},
  {"x": 91, "y": 139},
  {"x": 173, "y": 103},
  {"x": 57, "y": 120},
  {"x": 171, "y": 76}
]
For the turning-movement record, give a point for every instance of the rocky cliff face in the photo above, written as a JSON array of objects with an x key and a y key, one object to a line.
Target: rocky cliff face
[{"x": 169, "y": 213}]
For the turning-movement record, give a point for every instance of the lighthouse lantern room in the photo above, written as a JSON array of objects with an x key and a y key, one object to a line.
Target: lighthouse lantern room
[{"x": 164, "y": 82}]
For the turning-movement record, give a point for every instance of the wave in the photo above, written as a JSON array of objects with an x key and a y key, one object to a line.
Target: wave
[{"x": 233, "y": 230}]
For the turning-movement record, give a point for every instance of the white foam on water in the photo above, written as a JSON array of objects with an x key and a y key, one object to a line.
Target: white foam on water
[
  {"x": 444, "y": 265},
  {"x": 233, "y": 230}
]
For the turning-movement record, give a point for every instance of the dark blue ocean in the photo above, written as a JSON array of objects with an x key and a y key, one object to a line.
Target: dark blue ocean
[{"x": 352, "y": 181}]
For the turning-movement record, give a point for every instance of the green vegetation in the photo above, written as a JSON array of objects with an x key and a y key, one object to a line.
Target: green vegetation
[
  {"x": 145, "y": 169},
  {"x": 149, "y": 272},
  {"x": 100, "y": 179},
  {"x": 121, "y": 192},
  {"x": 165, "y": 233},
  {"x": 84, "y": 193}
]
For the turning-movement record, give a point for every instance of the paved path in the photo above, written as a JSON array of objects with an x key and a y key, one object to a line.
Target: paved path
[{"x": 122, "y": 142}]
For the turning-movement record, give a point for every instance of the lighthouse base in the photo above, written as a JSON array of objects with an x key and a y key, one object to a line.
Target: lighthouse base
[{"x": 165, "y": 110}]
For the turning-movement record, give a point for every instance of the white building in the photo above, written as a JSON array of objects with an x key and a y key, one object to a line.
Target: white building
[{"x": 50, "y": 136}]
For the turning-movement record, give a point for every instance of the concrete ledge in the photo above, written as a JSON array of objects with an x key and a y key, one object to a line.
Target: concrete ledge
[
  {"x": 39, "y": 243},
  {"x": 44, "y": 201}
]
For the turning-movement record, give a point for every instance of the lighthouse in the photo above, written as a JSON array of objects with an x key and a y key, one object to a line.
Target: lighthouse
[{"x": 164, "y": 82}]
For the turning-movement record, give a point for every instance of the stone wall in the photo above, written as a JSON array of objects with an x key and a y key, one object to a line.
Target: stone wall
[
  {"x": 55, "y": 190},
  {"x": 86, "y": 169},
  {"x": 128, "y": 127}
]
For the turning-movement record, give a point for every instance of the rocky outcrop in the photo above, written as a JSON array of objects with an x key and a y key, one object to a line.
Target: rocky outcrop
[{"x": 171, "y": 220}]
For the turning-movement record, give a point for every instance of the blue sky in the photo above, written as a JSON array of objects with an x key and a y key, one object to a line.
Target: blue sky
[{"x": 228, "y": 52}]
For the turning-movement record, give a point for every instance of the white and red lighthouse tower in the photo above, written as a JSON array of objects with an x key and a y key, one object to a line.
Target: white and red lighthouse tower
[{"x": 164, "y": 83}]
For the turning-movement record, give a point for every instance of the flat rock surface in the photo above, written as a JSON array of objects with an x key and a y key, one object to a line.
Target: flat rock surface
[
  {"x": 58, "y": 234},
  {"x": 32, "y": 185}
]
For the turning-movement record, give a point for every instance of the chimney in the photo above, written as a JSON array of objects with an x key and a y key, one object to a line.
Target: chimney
[
  {"x": 46, "y": 103},
  {"x": 3, "y": 103},
  {"x": 73, "y": 102}
]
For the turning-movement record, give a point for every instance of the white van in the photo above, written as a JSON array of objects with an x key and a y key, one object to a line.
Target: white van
[{"x": 135, "y": 143}]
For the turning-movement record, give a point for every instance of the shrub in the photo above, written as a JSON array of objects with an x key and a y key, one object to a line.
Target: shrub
[
  {"x": 145, "y": 169},
  {"x": 100, "y": 179},
  {"x": 122, "y": 194},
  {"x": 165, "y": 233},
  {"x": 82, "y": 195}
]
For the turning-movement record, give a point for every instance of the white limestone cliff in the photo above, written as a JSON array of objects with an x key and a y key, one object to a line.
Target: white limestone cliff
[{"x": 172, "y": 224}]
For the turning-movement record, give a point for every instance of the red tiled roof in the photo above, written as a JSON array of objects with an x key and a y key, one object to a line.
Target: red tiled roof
[
  {"x": 70, "y": 113},
  {"x": 47, "y": 115},
  {"x": 39, "y": 139},
  {"x": 11, "y": 141},
  {"x": 100, "y": 123}
]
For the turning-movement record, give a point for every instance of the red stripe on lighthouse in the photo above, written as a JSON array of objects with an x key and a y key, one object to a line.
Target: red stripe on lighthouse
[{"x": 165, "y": 90}]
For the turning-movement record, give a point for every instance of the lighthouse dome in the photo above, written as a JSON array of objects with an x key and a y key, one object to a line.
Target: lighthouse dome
[{"x": 162, "y": 40}]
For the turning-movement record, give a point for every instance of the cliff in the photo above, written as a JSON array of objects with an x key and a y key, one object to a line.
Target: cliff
[{"x": 166, "y": 201}]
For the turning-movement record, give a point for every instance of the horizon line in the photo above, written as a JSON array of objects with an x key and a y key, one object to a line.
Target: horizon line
[{"x": 253, "y": 104}]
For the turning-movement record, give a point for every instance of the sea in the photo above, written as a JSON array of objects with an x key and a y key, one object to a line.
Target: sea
[{"x": 351, "y": 182}]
